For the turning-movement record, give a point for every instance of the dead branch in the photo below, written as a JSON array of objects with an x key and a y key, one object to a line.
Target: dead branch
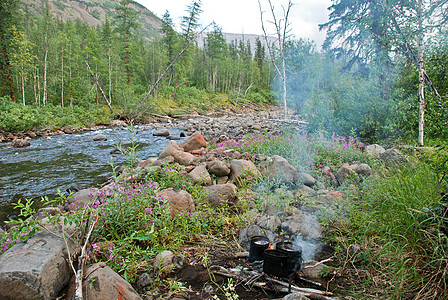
[
  {"x": 319, "y": 263},
  {"x": 299, "y": 289},
  {"x": 95, "y": 78},
  {"x": 82, "y": 261}
]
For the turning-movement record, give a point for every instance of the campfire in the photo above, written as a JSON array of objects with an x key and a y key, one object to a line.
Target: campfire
[{"x": 274, "y": 267}]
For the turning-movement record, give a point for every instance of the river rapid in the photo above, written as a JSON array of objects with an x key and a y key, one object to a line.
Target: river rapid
[{"x": 49, "y": 165}]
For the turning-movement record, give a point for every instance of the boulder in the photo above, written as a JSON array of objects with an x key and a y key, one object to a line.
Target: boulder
[
  {"x": 101, "y": 282},
  {"x": 220, "y": 195},
  {"x": 99, "y": 137},
  {"x": 178, "y": 200},
  {"x": 31, "y": 134},
  {"x": 247, "y": 233},
  {"x": 374, "y": 149},
  {"x": 314, "y": 272},
  {"x": 362, "y": 169},
  {"x": 194, "y": 142},
  {"x": 19, "y": 143},
  {"x": 393, "y": 157},
  {"x": 163, "y": 263},
  {"x": 218, "y": 168},
  {"x": 281, "y": 170},
  {"x": 200, "y": 175},
  {"x": 36, "y": 268},
  {"x": 344, "y": 171},
  {"x": 80, "y": 199},
  {"x": 170, "y": 149},
  {"x": 147, "y": 163},
  {"x": 307, "y": 179},
  {"x": 161, "y": 132},
  {"x": 243, "y": 169},
  {"x": 185, "y": 158}
]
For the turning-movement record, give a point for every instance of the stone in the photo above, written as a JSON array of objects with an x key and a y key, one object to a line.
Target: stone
[
  {"x": 170, "y": 149},
  {"x": 243, "y": 169},
  {"x": 374, "y": 149},
  {"x": 46, "y": 211},
  {"x": 278, "y": 168},
  {"x": 344, "y": 171},
  {"x": 218, "y": 168},
  {"x": 393, "y": 157},
  {"x": 247, "y": 233},
  {"x": 179, "y": 201},
  {"x": 144, "y": 280},
  {"x": 161, "y": 132},
  {"x": 296, "y": 296},
  {"x": 163, "y": 263},
  {"x": 223, "y": 180},
  {"x": 185, "y": 158},
  {"x": 307, "y": 179},
  {"x": 160, "y": 162},
  {"x": 363, "y": 169},
  {"x": 101, "y": 282},
  {"x": 19, "y": 143},
  {"x": 200, "y": 175},
  {"x": 99, "y": 137},
  {"x": 220, "y": 195},
  {"x": 147, "y": 163},
  {"x": 80, "y": 199},
  {"x": 36, "y": 268},
  {"x": 304, "y": 191},
  {"x": 31, "y": 134},
  {"x": 302, "y": 224},
  {"x": 194, "y": 142},
  {"x": 315, "y": 272}
]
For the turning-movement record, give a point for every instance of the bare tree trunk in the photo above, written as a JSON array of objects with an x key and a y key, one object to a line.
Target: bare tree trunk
[
  {"x": 44, "y": 99},
  {"x": 62, "y": 77},
  {"x": 421, "y": 77},
  {"x": 23, "y": 89},
  {"x": 110, "y": 74}
]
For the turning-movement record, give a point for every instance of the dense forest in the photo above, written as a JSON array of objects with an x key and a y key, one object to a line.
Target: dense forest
[{"x": 365, "y": 82}]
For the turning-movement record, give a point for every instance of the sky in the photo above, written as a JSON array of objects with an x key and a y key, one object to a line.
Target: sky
[{"x": 243, "y": 16}]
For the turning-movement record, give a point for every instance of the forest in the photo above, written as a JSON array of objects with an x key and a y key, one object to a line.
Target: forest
[{"x": 365, "y": 80}]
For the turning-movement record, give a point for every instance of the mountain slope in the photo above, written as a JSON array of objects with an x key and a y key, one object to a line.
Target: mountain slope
[{"x": 94, "y": 12}]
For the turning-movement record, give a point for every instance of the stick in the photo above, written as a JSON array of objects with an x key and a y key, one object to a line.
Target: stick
[
  {"x": 319, "y": 263},
  {"x": 298, "y": 289}
]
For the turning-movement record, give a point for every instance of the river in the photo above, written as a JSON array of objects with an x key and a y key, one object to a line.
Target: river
[{"x": 49, "y": 165}]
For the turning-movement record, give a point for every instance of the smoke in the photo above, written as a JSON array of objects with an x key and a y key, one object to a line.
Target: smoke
[{"x": 309, "y": 247}]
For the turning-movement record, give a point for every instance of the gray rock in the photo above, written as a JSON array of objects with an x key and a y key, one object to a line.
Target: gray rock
[
  {"x": 247, "y": 233},
  {"x": 296, "y": 296},
  {"x": 218, "y": 168},
  {"x": 363, "y": 169},
  {"x": 200, "y": 175},
  {"x": 393, "y": 157},
  {"x": 280, "y": 169},
  {"x": 344, "y": 172},
  {"x": 99, "y": 137},
  {"x": 374, "y": 149},
  {"x": 304, "y": 225},
  {"x": 144, "y": 280},
  {"x": 163, "y": 263},
  {"x": 80, "y": 199},
  {"x": 180, "y": 201},
  {"x": 221, "y": 194},
  {"x": 243, "y": 169},
  {"x": 101, "y": 282},
  {"x": 307, "y": 179},
  {"x": 161, "y": 132},
  {"x": 315, "y": 272},
  {"x": 36, "y": 268}
]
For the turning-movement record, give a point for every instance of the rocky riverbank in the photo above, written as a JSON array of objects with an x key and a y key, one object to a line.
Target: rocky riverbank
[{"x": 288, "y": 209}]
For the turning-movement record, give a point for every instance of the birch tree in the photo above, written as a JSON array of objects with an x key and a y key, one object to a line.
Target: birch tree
[{"x": 277, "y": 49}]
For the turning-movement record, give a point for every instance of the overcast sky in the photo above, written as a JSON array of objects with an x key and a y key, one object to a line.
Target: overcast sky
[{"x": 243, "y": 16}]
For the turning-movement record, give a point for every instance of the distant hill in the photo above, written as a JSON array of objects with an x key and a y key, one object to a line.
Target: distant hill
[{"x": 94, "y": 12}]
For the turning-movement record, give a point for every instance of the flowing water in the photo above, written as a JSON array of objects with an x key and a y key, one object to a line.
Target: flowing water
[{"x": 49, "y": 165}]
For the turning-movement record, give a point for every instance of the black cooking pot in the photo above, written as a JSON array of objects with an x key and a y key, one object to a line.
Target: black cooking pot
[
  {"x": 294, "y": 254},
  {"x": 276, "y": 263},
  {"x": 258, "y": 244}
]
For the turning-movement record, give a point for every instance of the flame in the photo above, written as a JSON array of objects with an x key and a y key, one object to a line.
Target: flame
[{"x": 271, "y": 246}]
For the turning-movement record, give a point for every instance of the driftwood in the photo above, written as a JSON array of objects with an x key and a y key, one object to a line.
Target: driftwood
[{"x": 319, "y": 263}]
